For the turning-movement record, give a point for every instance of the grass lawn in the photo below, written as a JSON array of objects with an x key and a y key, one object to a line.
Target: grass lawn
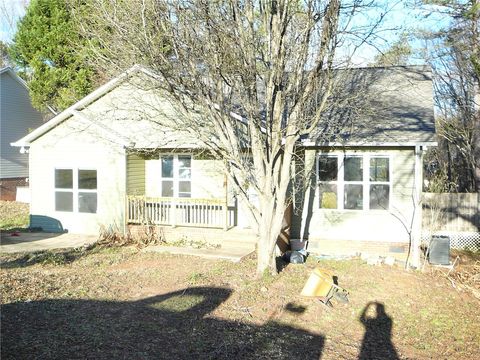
[
  {"x": 13, "y": 215},
  {"x": 123, "y": 303}
]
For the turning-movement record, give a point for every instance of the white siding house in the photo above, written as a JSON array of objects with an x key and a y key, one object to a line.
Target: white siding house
[
  {"x": 103, "y": 163},
  {"x": 17, "y": 119}
]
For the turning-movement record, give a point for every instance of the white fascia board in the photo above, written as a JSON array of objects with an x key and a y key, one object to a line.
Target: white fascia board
[
  {"x": 102, "y": 90},
  {"x": 368, "y": 144}
]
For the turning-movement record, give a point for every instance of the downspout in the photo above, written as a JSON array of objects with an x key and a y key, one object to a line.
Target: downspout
[{"x": 416, "y": 239}]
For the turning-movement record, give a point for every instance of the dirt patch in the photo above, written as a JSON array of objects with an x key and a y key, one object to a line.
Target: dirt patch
[{"x": 119, "y": 303}]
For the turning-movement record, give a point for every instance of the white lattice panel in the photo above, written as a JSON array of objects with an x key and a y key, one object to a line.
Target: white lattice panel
[{"x": 458, "y": 240}]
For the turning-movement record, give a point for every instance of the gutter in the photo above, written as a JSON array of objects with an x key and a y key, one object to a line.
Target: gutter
[{"x": 309, "y": 143}]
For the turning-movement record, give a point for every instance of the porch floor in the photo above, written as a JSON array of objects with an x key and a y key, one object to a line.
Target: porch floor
[{"x": 232, "y": 253}]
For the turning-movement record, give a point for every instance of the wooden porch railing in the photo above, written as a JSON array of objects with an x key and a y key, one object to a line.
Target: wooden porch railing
[{"x": 210, "y": 213}]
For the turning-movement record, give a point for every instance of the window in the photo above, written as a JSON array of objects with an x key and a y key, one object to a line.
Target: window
[
  {"x": 76, "y": 189},
  {"x": 87, "y": 191},
  {"x": 176, "y": 175},
  {"x": 327, "y": 176},
  {"x": 379, "y": 183},
  {"x": 354, "y": 182},
  {"x": 64, "y": 190}
]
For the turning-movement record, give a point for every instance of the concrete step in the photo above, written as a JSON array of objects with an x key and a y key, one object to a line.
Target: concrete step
[
  {"x": 230, "y": 253},
  {"x": 238, "y": 243}
]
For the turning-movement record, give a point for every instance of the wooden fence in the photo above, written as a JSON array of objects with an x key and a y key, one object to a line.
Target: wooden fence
[
  {"x": 454, "y": 215},
  {"x": 451, "y": 212}
]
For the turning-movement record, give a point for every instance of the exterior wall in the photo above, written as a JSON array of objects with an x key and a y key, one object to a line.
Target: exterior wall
[
  {"x": 74, "y": 144},
  {"x": 328, "y": 229},
  {"x": 8, "y": 188},
  {"x": 17, "y": 118},
  {"x": 136, "y": 175}
]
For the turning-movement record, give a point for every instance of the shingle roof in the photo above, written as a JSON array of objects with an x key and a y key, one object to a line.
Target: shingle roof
[{"x": 379, "y": 105}]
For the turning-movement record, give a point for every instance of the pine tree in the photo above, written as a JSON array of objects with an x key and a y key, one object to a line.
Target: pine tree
[{"x": 47, "y": 52}]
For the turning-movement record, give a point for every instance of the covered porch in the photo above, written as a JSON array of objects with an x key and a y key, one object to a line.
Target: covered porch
[{"x": 185, "y": 189}]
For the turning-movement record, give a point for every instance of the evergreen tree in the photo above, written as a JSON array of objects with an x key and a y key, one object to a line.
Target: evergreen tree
[{"x": 47, "y": 51}]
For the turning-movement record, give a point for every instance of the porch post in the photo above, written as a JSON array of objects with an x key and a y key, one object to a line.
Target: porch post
[{"x": 225, "y": 205}]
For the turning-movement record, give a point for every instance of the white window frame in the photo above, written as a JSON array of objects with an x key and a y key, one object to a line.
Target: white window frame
[
  {"x": 176, "y": 174},
  {"x": 365, "y": 182},
  {"x": 74, "y": 190}
]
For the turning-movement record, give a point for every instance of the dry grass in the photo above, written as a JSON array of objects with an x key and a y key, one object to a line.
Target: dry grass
[
  {"x": 13, "y": 215},
  {"x": 124, "y": 303}
]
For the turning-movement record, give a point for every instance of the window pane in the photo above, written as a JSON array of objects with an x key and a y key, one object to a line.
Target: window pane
[
  {"x": 167, "y": 166},
  {"x": 353, "y": 168},
  {"x": 379, "y": 169},
  {"x": 184, "y": 187},
  {"x": 87, "y": 179},
  {"x": 63, "y": 201},
  {"x": 353, "y": 197},
  {"x": 87, "y": 202},
  {"x": 327, "y": 168},
  {"x": 185, "y": 161},
  {"x": 63, "y": 179},
  {"x": 167, "y": 188},
  {"x": 328, "y": 196},
  {"x": 379, "y": 195},
  {"x": 185, "y": 173}
]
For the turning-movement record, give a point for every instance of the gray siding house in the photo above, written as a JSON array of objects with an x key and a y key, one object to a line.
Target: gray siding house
[
  {"x": 101, "y": 165},
  {"x": 17, "y": 118}
]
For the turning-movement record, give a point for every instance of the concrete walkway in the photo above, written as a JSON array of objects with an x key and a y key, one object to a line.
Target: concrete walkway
[
  {"x": 231, "y": 253},
  {"x": 29, "y": 242}
]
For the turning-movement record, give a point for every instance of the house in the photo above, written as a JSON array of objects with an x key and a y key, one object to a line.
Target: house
[
  {"x": 17, "y": 118},
  {"x": 102, "y": 164}
]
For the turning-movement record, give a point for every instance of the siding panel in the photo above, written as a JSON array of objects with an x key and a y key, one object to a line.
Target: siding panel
[
  {"x": 135, "y": 175},
  {"x": 17, "y": 118}
]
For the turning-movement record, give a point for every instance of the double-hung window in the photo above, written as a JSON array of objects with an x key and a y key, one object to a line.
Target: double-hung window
[
  {"x": 76, "y": 190},
  {"x": 354, "y": 182},
  {"x": 379, "y": 183},
  {"x": 176, "y": 175}
]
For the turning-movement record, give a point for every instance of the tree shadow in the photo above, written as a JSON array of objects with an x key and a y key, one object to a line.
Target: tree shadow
[
  {"x": 177, "y": 325},
  {"x": 45, "y": 257},
  {"x": 377, "y": 341}
]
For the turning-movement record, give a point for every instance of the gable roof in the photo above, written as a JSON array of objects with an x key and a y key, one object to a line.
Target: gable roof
[
  {"x": 392, "y": 106},
  {"x": 79, "y": 105}
]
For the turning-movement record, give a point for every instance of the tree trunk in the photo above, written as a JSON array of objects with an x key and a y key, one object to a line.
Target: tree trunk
[{"x": 268, "y": 233}]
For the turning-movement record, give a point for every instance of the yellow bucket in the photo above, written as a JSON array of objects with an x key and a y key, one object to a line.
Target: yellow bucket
[{"x": 320, "y": 283}]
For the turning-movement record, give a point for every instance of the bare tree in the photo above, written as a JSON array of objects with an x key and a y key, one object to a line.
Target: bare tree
[
  {"x": 455, "y": 57},
  {"x": 251, "y": 78}
]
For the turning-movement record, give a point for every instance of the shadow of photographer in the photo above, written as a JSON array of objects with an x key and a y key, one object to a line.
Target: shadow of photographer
[{"x": 377, "y": 341}]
